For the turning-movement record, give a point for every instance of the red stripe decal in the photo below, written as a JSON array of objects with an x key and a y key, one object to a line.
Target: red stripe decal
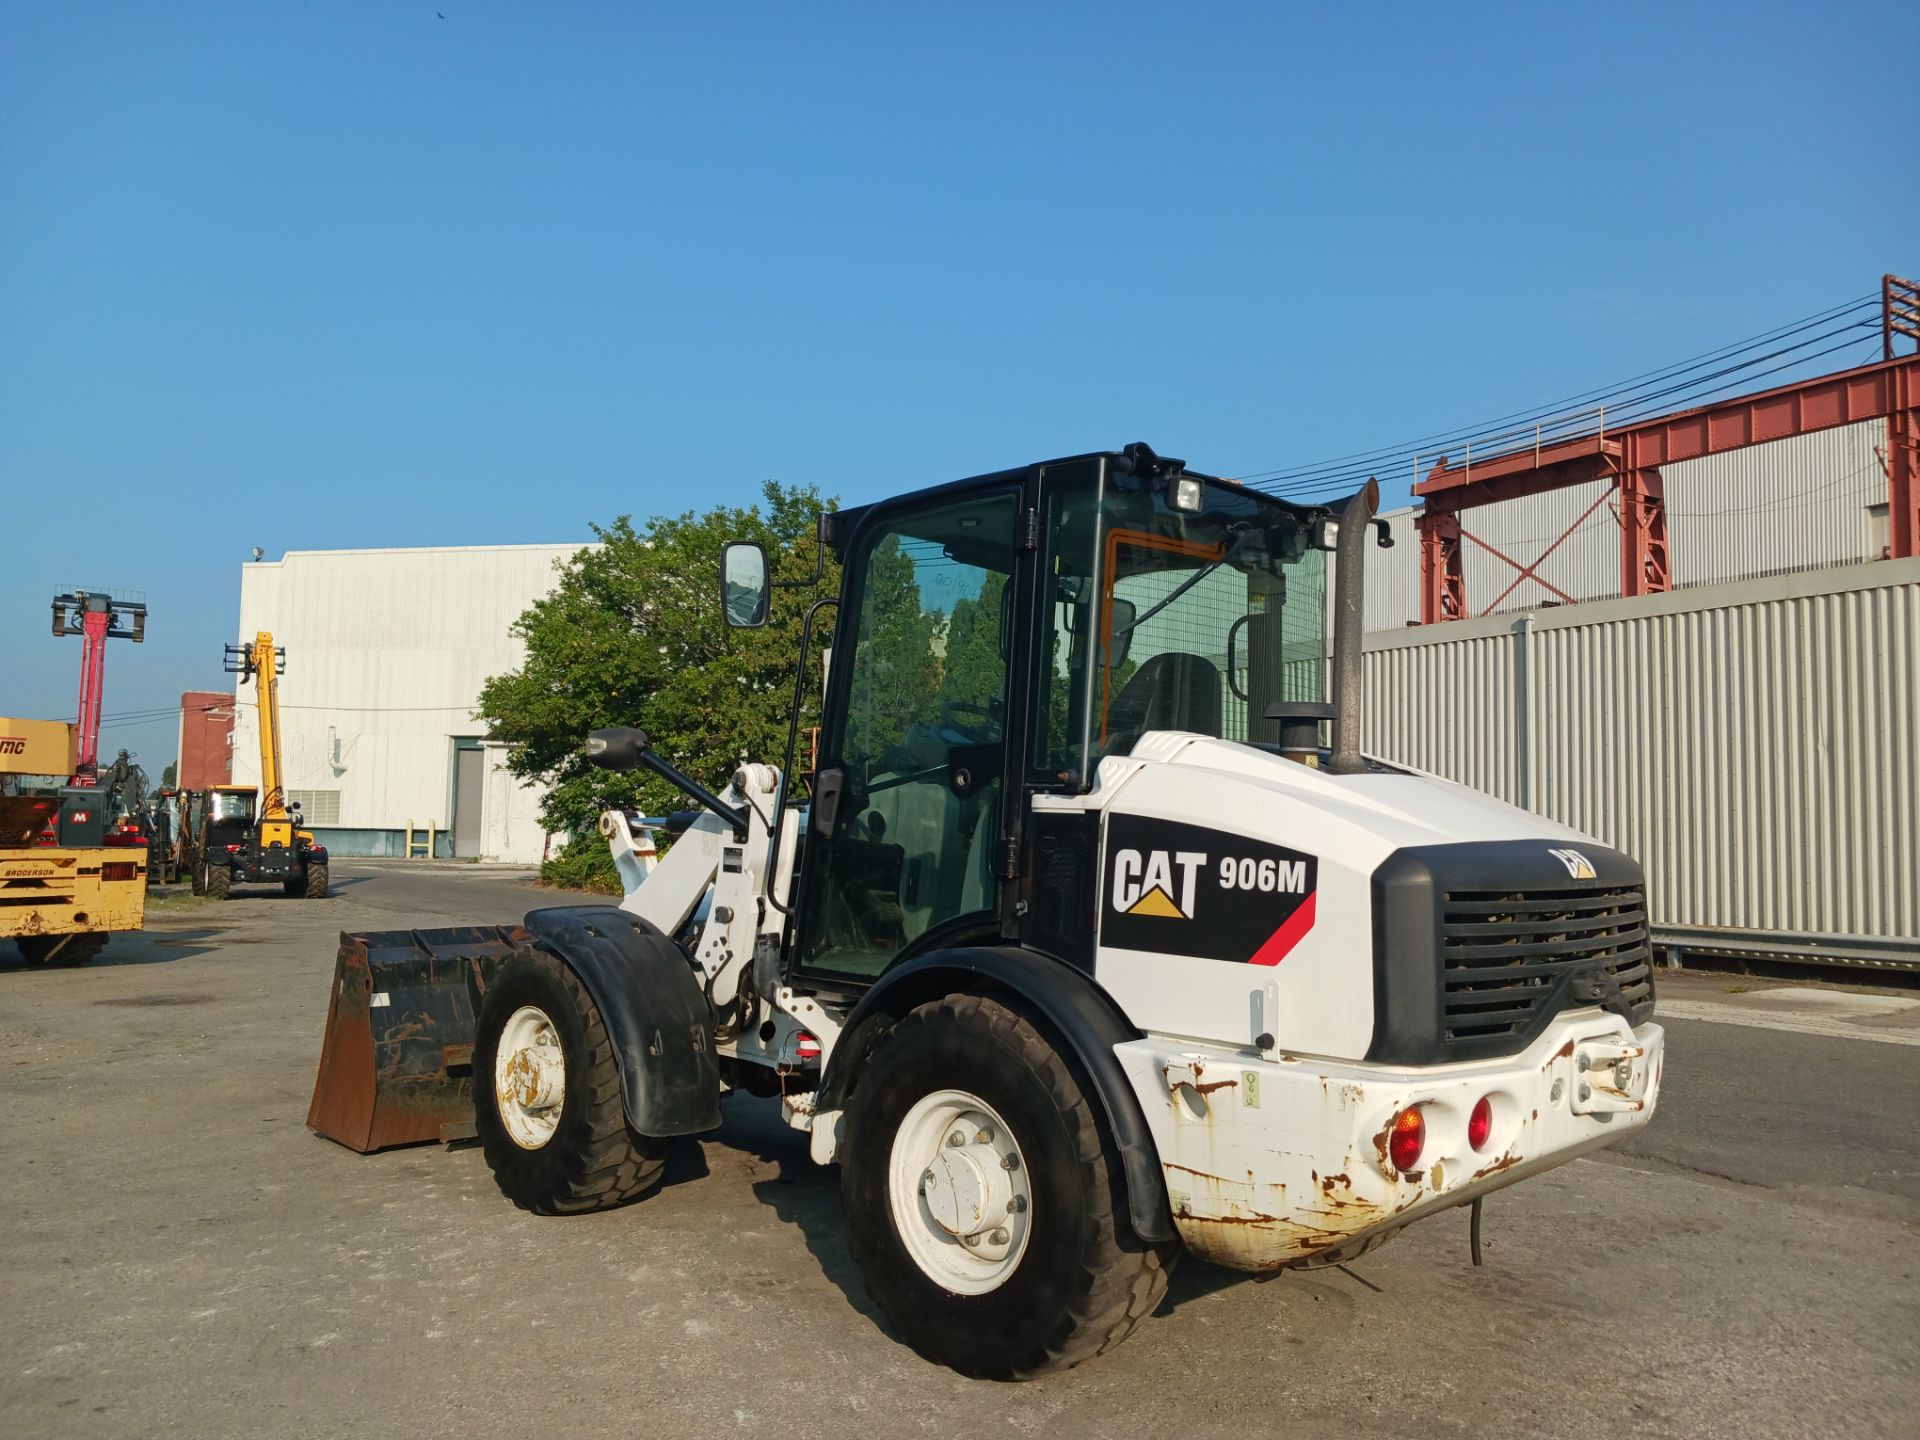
[{"x": 1290, "y": 933}]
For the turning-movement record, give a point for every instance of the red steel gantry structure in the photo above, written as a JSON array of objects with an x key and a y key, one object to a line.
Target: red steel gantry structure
[{"x": 1629, "y": 459}]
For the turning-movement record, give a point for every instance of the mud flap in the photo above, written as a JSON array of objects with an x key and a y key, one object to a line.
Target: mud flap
[{"x": 396, "y": 1065}]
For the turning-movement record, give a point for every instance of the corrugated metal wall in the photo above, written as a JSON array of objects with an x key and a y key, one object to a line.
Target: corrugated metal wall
[
  {"x": 1754, "y": 745},
  {"x": 1800, "y": 504}
]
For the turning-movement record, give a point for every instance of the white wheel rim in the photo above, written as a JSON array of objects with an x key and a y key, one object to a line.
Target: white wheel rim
[
  {"x": 960, "y": 1191},
  {"x": 530, "y": 1077}
]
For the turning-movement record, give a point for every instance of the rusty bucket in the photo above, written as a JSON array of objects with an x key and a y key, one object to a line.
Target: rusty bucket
[{"x": 396, "y": 1067}]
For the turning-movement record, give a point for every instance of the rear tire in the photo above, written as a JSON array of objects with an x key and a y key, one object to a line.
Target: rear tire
[
  {"x": 588, "y": 1159},
  {"x": 317, "y": 882},
  {"x": 218, "y": 882},
  {"x": 41, "y": 949},
  {"x": 1076, "y": 1281},
  {"x": 197, "y": 876}
]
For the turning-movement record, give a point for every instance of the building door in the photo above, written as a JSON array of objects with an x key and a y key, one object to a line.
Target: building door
[{"x": 469, "y": 784}]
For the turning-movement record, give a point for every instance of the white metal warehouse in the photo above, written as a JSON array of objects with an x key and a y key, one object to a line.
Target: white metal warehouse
[{"x": 386, "y": 654}]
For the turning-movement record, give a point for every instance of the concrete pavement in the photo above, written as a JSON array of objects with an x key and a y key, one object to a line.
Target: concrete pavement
[{"x": 181, "y": 1258}]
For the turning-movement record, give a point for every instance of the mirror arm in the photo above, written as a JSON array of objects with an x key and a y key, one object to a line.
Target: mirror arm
[
  {"x": 785, "y": 907},
  {"x": 819, "y": 562},
  {"x": 624, "y": 748}
]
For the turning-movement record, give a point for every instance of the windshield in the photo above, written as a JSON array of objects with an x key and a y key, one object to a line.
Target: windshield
[
  {"x": 1165, "y": 619},
  {"x": 229, "y": 805}
]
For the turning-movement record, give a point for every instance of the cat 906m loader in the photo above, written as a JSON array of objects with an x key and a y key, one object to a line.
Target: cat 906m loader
[{"x": 1085, "y": 950}]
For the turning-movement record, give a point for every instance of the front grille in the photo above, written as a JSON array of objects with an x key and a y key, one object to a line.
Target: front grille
[{"x": 1504, "y": 954}]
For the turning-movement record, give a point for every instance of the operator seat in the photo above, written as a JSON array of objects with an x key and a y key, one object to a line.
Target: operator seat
[{"x": 1170, "y": 691}]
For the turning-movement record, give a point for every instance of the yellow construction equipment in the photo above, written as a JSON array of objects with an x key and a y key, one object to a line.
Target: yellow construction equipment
[
  {"x": 58, "y": 903},
  {"x": 234, "y": 846}
]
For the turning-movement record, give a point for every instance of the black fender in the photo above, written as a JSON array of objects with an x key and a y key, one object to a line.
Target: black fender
[
  {"x": 656, "y": 1015},
  {"x": 1079, "y": 1013}
]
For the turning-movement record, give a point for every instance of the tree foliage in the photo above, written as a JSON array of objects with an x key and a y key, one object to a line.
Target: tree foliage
[{"x": 632, "y": 634}]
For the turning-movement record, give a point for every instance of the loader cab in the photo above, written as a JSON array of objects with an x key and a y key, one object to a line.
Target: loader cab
[
  {"x": 997, "y": 638},
  {"x": 226, "y": 816}
]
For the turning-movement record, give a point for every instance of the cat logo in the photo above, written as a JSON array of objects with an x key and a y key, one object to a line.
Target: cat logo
[
  {"x": 1578, "y": 866},
  {"x": 1147, "y": 884}
]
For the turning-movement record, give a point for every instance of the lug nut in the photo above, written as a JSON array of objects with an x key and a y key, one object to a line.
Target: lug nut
[
  {"x": 998, "y": 1237},
  {"x": 1012, "y": 1162},
  {"x": 1017, "y": 1205},
  {"x": 983, "y": 1137},
  {"x": 972, "y": 1242},
  {"x": 956, "y": 1140}
]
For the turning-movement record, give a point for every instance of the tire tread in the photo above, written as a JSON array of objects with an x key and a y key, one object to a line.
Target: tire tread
[
  {"x": 613, "y": 1165},
  {"x": 1121, "y": 1278}
]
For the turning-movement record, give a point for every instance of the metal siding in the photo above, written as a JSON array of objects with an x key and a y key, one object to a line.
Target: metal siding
[
  {"x": 1798, "y": 504},
  {"x": 1448, "y": 706},
  {"x": 1753, "y": 745}
]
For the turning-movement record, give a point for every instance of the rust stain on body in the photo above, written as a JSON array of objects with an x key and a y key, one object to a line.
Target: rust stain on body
[
  {"x": 1505, "y": 1162},
  {"x": 1189, "y": 1170}
]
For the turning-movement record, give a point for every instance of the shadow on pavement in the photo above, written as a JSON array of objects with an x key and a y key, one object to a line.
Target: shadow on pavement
[{"x": 137, "y": 947}]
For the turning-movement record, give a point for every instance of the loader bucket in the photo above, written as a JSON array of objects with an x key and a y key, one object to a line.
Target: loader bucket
[{"x": 396, "y": 1067}]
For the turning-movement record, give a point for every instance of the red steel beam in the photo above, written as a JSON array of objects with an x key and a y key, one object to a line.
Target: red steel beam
[{"x": 1868, "y": 392}]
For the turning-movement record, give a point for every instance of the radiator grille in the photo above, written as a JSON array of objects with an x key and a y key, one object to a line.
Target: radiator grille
[{"x": 1503, "y": 954}]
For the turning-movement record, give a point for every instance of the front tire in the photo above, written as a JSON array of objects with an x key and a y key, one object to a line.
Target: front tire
[
  {"x": 218, "y": 882},
  {"x": 547, "y": 1098},
  {"x": 976, "y": 1271}
]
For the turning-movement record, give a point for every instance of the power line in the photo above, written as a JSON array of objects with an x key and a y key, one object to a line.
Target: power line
[
  {"x": 1600, "y": 393},
  {"x": 1635, "y": 398},
  {"x": 1557, "y": 428}
]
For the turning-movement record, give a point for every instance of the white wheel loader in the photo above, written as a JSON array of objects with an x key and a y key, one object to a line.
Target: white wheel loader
[{"x": 1082, "y": 949}]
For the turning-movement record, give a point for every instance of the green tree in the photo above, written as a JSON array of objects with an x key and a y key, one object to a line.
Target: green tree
[
  {"x": 167, "y": 776},
  {"x": 898, "y": 669},
  {"x": 632, "y": 634},
  {"x": 974, "y": 671}
]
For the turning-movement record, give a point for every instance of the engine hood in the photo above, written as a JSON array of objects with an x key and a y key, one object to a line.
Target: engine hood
[{"x": 1397, "y": 810}]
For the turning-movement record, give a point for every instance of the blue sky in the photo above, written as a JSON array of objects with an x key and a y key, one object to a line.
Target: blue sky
[{"x": 305, "y": 275}]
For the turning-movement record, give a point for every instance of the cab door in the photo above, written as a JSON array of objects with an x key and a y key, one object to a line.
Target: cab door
[{"x": 910, "y": 817}]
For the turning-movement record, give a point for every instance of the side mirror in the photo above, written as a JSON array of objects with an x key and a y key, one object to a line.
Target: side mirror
[
  {"x": 1123, "y": 618},
  {"x": 744, "y": 587}
]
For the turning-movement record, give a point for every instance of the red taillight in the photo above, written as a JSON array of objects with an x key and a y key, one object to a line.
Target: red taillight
[
  {"x": 1480, "y": 1123},
  {"x": 233, "y": 849},
  {"x": 1407, "y": 1138},
  {"x": 118, "y": 870}
]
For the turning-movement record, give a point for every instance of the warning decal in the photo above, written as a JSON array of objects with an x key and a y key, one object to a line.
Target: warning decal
[{"x": 1178, "y": 889}]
